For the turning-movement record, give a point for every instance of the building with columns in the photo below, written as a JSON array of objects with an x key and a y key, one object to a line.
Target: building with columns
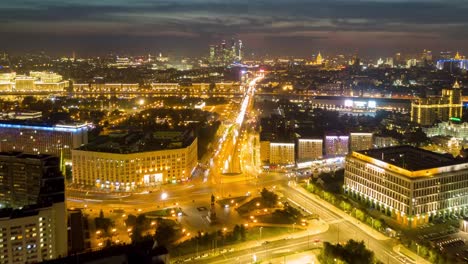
[{"x": 411, "y": 184}]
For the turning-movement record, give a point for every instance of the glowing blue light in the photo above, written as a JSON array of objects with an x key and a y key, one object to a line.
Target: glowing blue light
[{"x": 49, "y": 128}]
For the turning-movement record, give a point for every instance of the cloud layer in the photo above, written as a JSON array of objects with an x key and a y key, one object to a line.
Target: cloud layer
[{"x": 276, "y": 26}]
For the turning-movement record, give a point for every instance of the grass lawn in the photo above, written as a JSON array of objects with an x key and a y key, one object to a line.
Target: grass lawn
[
  {"x": 232, "y": 201},
  {"x": 164, "y": 212},
  {"x": 272, "y": 220},
  {"x": 251, "y": 205},
  {"x": 253, "y": 233},
  {"x": 207, "y": 242}
]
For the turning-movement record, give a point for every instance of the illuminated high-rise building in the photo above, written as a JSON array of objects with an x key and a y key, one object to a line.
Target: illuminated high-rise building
[
  {"x": 450, "y": 63},
  {"x": 319, "y": 59},
  {"x": 282, "y": 153},
  {"x": 33, "y": 222},
  {"x": 309, "y": 149},
  {"x": 426, "y": 56},
  {"x": 398, "y": 59},
  {"x": 37, "y": 137},
  {"x": 226, "y": 54},
  {"x": 336, "y": 145},
  {"x": 426, "y": 111},
  {"x": 360, "y": 141}
]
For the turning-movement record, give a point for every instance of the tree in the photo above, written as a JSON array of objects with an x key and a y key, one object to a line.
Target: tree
[
  {"x": 243, "y": 233},
  {"x": 345, "y": 206},
  {"x": 360, "y": 215},
  {"x": 165, "y": 233},
  {"x": 108, "y": 243},
  {"x": 131, "y": 220},
  {"x": 236, "y": 233},
  {"x": 136, "y": 235},
  {"x": 28, "y": 101},
  {"x": 103, "y": 223},
  {"x": 417, "y": 137},
  {"x": 377, "y": 224},
  {"x": 352, "y": 252},
  {"x": 269, "y": 198}
]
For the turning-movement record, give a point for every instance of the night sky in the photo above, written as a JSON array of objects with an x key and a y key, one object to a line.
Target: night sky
[{"x": 275, "y": 27}]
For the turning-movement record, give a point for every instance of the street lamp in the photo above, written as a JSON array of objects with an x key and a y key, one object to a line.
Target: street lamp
[
  {"x": 417, "y": 245},
  {"x": 260, "y": 230},
  {"x": 163, "y": 197},
  {"x": 224, "y": 234}
]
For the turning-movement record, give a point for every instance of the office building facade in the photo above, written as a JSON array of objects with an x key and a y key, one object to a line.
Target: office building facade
[
  {"x": 309, "y": 149},
  {"x": 458, "y": 131},
  {"x": 410, "y": 183},
  {"x": 42, "y": 138},
  {"x": 383, "y": 142},
  {"x": 33, "y": 234},
  {"x": 34, "y": 82},
  {"x": 282, "y": 153},
  {"x": 33, "y": 213},
  {"x": 360, "y": 141},
  {"x": 336, "y": 145},
  {"x": 127, "y": 170}
]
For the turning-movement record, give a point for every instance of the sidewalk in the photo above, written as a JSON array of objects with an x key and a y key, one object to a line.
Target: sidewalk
[
  {"x": 402, "y": 250},
  {"x": 315, "y": 227},
  {"x": 307, "y": 257},
  {"x": 367, "y": 229}
]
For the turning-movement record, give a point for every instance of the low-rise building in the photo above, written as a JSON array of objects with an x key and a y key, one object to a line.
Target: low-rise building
[
  {"x": 383, "y": 142},
  {"x": 458, "y": 131}
]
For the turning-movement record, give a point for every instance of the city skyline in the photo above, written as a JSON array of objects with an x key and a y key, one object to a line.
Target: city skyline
[
  {"x": 222, "y": 131},
  {"x": 296, "y": 28}
]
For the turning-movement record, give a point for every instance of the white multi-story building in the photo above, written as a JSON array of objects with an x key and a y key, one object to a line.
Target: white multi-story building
[
  {"x": 33, "y": 234},
  {"x": 458, "y": 131},
  {"x": 411, "y": 183},
  {"x": 33, "y": 222},
  {"x": 115, "y": 168},
  {"x": 383, "y": 142},
  {"x": 309, "y": 149},
  {"x": 35, "y": 82},
  {"x": 42, "y": 138},
  {"x": 282, "y": 153},
  {"x": 265, "y": 151},
  {"x": 360, "y": 141}
]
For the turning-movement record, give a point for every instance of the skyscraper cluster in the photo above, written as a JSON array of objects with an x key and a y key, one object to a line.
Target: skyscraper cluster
[{"x": 226, "y": 53}]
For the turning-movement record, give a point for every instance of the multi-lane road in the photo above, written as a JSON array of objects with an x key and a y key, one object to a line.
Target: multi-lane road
[
  {"x": 238, "y": 144},
  {"x": 342, "y": 228}
]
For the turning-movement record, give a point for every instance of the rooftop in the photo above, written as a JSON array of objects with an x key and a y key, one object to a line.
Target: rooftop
[
  {"x": 411, "y": 158},
  {"x": 134, "y": 142},
  {"x": 39, "y": 124}
]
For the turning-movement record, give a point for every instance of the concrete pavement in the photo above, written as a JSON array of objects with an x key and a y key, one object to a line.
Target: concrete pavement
[{"x": 365, "y": 228}]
